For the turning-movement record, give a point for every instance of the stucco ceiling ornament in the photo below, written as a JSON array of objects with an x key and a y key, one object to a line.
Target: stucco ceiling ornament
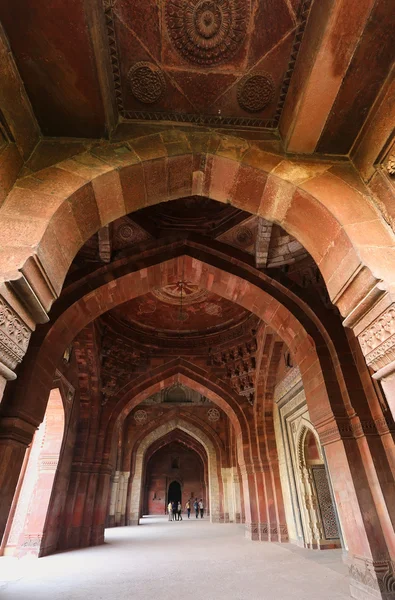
[
  {"x": 141, "y": 417},
  {"x": 170, "y": 294},
  {"x": 213, "y": 414},
  {"x": 147, "y": 82},
  {"x": 206, "y": 32},
  {"x": 255, "y": 92}
]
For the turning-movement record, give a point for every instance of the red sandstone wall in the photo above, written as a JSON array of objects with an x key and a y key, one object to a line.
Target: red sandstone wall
[{"x": 160, "y": 474}]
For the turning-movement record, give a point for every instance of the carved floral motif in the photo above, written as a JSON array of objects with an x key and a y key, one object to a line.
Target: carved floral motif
[
  {"x": 147, "y": 82},
  {"x": 255, "y": 92},
  {"x": 213, "y": 414},
  {"x": 206, "y": 32},
  {"x": 141, "y": 417}
]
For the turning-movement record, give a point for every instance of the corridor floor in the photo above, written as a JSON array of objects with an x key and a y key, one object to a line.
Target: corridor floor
[{"x": 191, "y": 559}]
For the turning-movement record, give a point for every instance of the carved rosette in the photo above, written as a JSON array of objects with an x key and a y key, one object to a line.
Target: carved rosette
[
  {"x": 141, "y": 417},
  {"x": 213, "y": 414},
  {"x": 147, "y": 82},
  {"x": 206, "y": 32},
  {"x": 14, "y": 339},
  {"x": 378, "y": 340},
  {"x": 255, "y": 92}
]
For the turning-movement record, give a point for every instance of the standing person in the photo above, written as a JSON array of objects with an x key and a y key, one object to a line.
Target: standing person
[
  {"x": 170, "y": 511},
  {"x": 201, "y": 507},
  {"x": 188, "y": 507},
  {"x": 174, "y": 511},
  {"x": 196, "y": 507},
  {"x": 179, "y": 511}
]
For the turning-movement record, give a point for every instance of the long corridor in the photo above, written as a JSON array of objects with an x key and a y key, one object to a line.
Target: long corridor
[{"x": 188, "y": 559}]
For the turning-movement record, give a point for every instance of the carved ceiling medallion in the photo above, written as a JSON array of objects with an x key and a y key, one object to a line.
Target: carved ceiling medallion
[
  {"x": 255, "y": 92},
  {"x": 206, "y": 32},
  {"x": 141, "y": 417},
  {"x": 147, "y": 82},
  {"x": 171, "y": 294},
  {"x": 213, "y": 414}
]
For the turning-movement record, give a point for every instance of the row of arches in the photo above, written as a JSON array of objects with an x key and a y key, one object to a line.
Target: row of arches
[{"x": 344, "y": 406}]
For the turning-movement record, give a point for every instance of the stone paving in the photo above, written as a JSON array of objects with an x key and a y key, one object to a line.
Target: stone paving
[{"x": 188, "y": 559}]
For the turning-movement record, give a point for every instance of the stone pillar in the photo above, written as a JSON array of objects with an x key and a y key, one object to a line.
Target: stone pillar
[
  {"x": 17, "y": 321},
  {"x": 120, "y": 507},
  {"x": 101, "y": 505},
  {"x": 228, "y": 510},
  {"x": 113, "y": 500},
  {"x": 253, "y": 522},
  {"x": 364, "y": 517},
  {"x": 16, "y": 435},
  {"x": 236, "y": 496}
]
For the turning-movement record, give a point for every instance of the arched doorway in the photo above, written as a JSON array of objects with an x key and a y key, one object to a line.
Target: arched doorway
[{"x": 174, "y": 492}]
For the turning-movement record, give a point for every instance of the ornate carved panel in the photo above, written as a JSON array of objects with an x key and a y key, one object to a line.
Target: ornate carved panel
[
  {"x": 238, "y": 367},
  {"x": 196, "y": 45},
  {"x": 14, "y": 336},
  {"x": 325, "y": 503},
  {"x": 207, "y": 32},
  {"x": 378, "y": 340}
]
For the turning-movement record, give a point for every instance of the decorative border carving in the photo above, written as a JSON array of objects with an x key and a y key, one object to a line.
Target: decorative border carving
[
  {"x": 377, "y": 575},
  {"x": 378, "y": 340},
  {"x": 299, "y": 33},
  {"x": 14, "y": 336},
  {"x": 198, "y": 119},
  {"x": 290, "y": 380}
]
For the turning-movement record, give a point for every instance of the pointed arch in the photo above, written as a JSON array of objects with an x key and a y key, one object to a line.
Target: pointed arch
[{"x": 161, "y": 431}]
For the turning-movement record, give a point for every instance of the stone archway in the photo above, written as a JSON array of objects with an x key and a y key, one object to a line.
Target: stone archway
[
  {"x": 195, "y": 432},
  {"x": 173, "y": 165}
]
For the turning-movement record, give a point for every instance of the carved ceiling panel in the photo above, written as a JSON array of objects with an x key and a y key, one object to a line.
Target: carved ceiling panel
[
  {"x": 183, "y": 309},
  {"x": 210, "y": 61}
]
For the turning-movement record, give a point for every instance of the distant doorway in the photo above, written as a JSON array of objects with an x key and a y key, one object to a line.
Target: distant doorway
[{"x": 174, "y": 493}]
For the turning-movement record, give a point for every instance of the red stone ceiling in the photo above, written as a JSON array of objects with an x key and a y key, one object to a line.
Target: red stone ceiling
[
  {"x": 160, "y": 311},
  {"x": 203, "y": 216},
  {"x": 212, "y": 62},
  {"x": 199, "y": 50}
]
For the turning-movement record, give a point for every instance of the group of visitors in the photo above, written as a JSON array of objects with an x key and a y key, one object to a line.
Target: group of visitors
[{"x": 175, "y": 509}]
